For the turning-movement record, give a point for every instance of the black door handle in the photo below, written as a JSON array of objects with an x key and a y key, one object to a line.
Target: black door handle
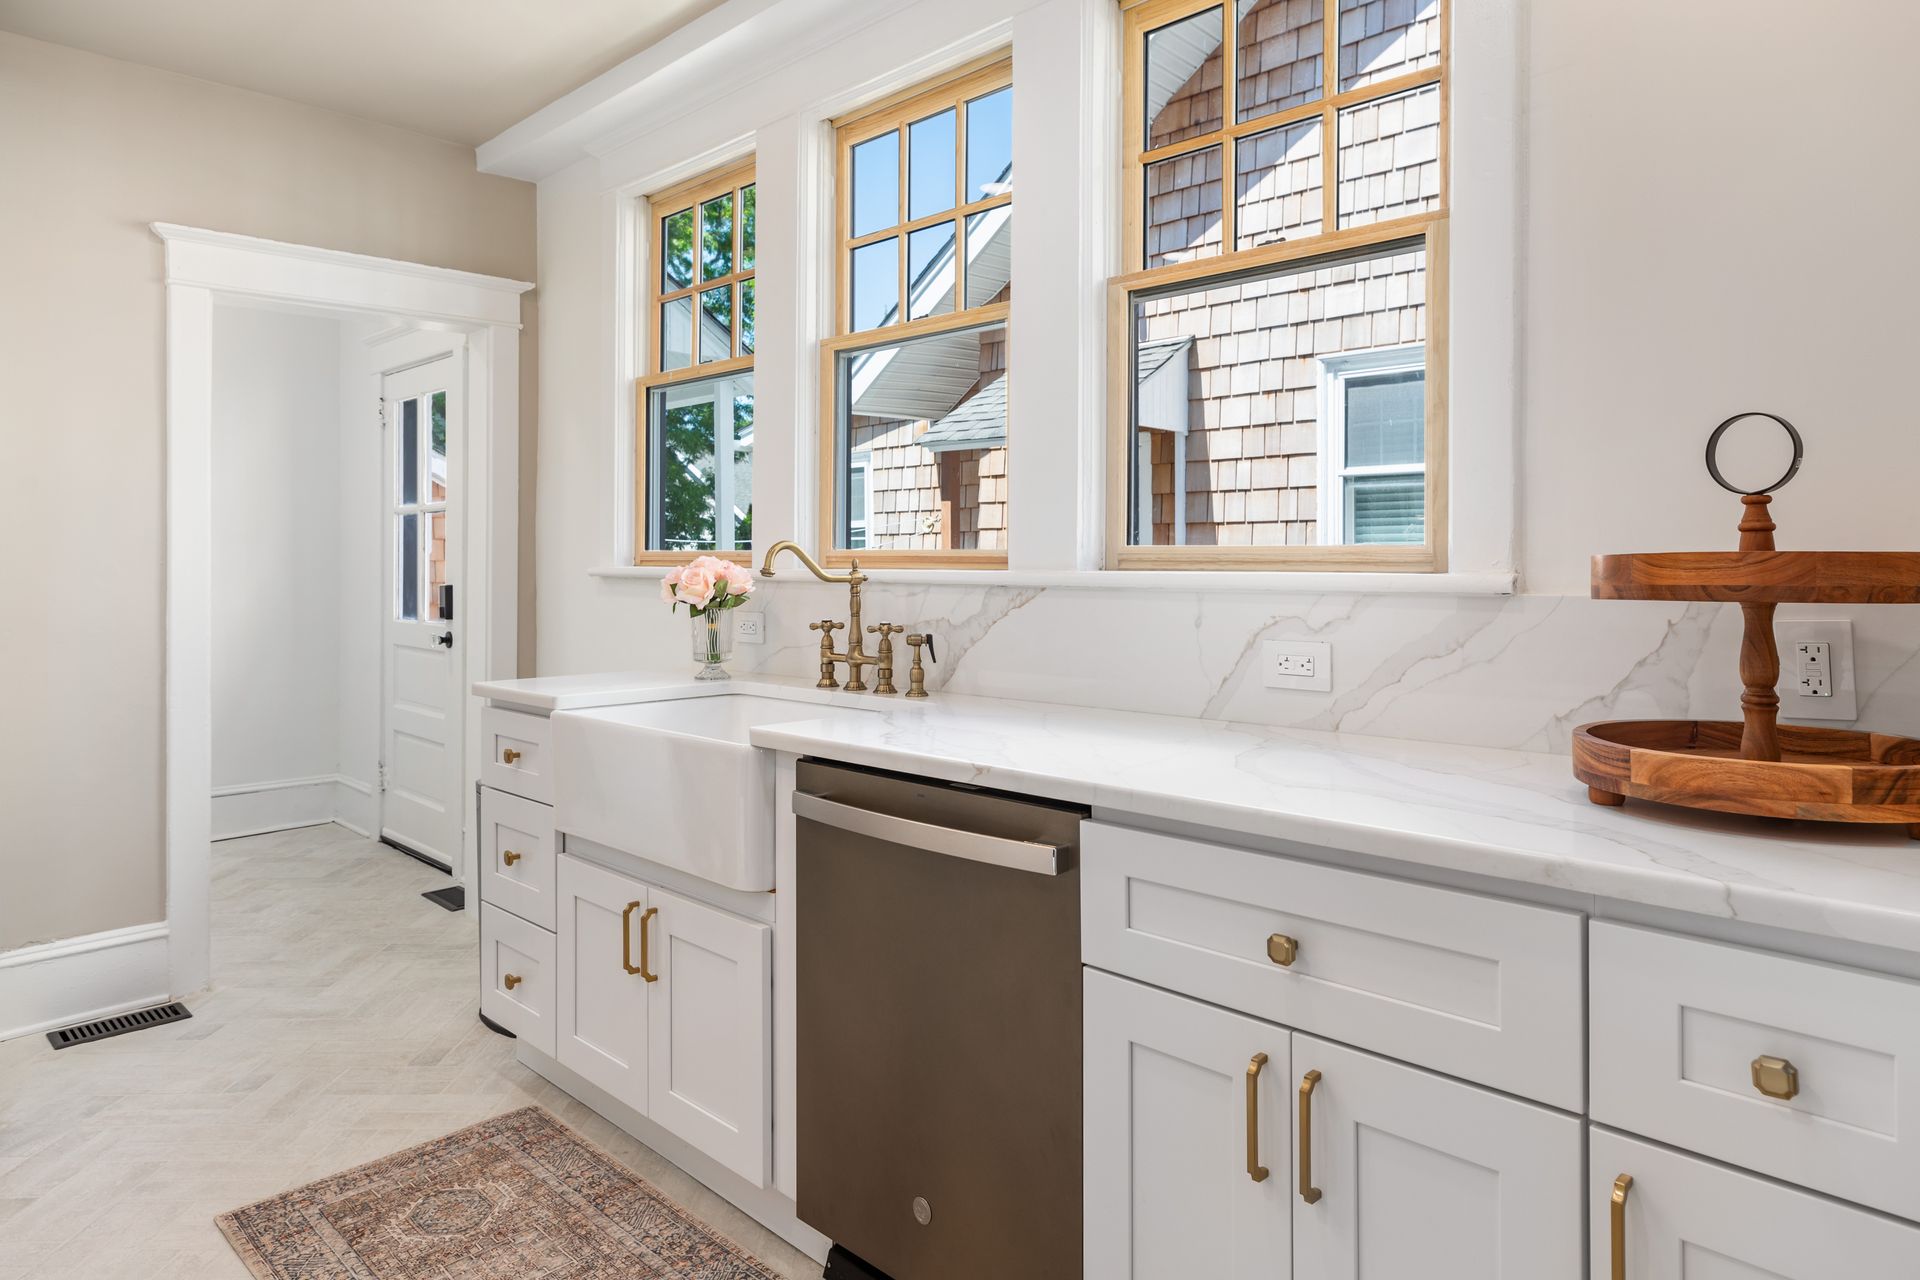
[{"x": 444, "y": 638}]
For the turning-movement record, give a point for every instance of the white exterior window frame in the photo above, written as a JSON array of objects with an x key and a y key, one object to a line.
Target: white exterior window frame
[{"x": 1336, "y": 371}]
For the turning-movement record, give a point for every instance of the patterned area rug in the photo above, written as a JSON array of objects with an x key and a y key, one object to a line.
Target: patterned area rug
[{"x": 519, "y": 1197}]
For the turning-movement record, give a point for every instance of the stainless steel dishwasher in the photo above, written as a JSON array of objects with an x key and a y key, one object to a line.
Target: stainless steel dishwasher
[{"x": 939, "y": 1125}]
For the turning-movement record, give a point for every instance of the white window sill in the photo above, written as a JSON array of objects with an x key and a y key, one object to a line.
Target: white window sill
[{"x": 1293, "y": 582}]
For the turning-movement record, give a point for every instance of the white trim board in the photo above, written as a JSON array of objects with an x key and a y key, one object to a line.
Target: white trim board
[
  {"x": 426, "y": 308},
  {"x": 283, "y": 804},
  {"x": 58, "y": 984}
]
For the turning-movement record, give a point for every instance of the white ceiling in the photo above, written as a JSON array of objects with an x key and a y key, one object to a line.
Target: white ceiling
[{"x": 462, "y": 70}]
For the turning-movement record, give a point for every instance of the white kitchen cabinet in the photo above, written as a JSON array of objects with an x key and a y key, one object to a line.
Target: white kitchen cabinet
[
  {"x": 1684, "y": 1218},
  {"x": 710, "y": 1033},
  {"x": 604, "y": 1001},
  {"x": 1169, "y": 1195},
  {"x": 1419, "y": 1175},
  {"x": 517, "y": 987}
]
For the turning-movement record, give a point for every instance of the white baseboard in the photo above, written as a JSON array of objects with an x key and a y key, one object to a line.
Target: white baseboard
[
  {"x": 57, "y": 984},
  {"x": 282, "y": 804},
  {"x": 763, "y": 1204}
]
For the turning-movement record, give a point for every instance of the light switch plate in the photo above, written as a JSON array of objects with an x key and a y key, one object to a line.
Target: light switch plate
[
  {"x": 1297, "y": 664},
  {"x": 749, "y": 626},
  {"x": 1804, "y": 664}
]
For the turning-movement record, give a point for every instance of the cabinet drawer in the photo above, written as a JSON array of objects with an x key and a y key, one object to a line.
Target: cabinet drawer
[
  {"x": 516, "y": 753},
  {"x": 512, "y": 948},
  {"x": 1471, "y": 986},
  {"x": 1677, "y": 1025},
  {"x": 517, "y": 856},
  {"x": 1689, "y": 1219}
]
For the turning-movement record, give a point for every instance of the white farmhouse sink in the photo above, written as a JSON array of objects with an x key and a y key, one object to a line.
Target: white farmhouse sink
[{"x": 677, "y": 782}]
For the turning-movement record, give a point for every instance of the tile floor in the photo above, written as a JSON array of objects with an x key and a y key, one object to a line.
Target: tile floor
[{"x": 340, "y": 1027}]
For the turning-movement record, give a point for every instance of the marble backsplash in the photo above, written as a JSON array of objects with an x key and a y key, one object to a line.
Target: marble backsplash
[{"x": 1510, "y": 671}]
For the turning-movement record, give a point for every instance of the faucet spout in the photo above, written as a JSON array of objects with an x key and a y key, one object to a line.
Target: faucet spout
[{"x": 852, "y": 578}]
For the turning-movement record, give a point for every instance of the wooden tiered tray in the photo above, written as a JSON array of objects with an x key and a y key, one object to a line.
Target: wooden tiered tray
[{"x": 1756, "y": 766}]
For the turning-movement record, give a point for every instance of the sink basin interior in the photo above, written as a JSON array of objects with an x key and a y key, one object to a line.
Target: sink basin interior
[{"x": 727, "y": 717}]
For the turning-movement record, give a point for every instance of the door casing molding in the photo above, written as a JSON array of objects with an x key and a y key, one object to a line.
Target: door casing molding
[{"x": 433, "y": 309}]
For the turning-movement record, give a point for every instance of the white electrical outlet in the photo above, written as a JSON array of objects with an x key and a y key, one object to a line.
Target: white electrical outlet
[
  {"x": 748, "y": 626},
  {"x": 1816, "y": 669},
  {"x": 1297, "y": 664}
]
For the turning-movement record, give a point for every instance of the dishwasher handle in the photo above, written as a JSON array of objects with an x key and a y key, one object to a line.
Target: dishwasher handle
[{"x": 998, "y": 851}]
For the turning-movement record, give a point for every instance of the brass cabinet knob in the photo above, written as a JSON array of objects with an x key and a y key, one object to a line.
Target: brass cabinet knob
[
  {"x": 1283, "y": 950},
  {"x": 509, "y": 755},
  {"x": 509, "y": 857},
  {"x": 511, "y": 980},
  {"x": 1776, "y": 1077}
]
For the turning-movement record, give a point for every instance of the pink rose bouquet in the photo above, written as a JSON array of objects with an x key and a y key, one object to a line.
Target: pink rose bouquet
[{"x": 707, "y": 584}]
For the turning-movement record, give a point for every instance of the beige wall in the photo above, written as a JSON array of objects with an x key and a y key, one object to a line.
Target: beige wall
[{"x": 91, "y": 151}]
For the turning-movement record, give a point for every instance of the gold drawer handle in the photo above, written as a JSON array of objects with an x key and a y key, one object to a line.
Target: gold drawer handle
[
  {"x": 1777, "y": 1078},
  {"x": 1621, "y": 1186},
  {"x": 1283, "y": 950},
  {"x": 1255, "y": 1170},
  {"x": 626, "y": 941},
  {"x": 509, "y": 857},
  {"x": 509, "y": 755},
  {"x": 1308, "y": 1192},
  {"x": 511, "y": 981}
]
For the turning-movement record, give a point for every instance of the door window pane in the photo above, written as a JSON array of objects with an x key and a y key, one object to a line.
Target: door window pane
[
  {"x": 876, "y": 184},
  {"x": 1386, "y": 417},
  {"x": 676, "y": 334},
  {"x": 990, "y": 145},
  {"x": 1278, "y": 188},
  {"x": 1226, "y": 425},
  {"x": 676, "y": 252},
  {"x": 930, "y": 157},
  {"x": 747, "y": 229},
  {"x": 1183, "y": 208},
  {"x": 989, "y": 255},
  {"x": 1277, "y": 60},
  {"x": 716, "y": 238},
  {"x": 437, "y": 450},
  {"x": 930, "y": 416},
  {"x": 1386, "y": 510},
  {"x": 930, "y": 281},
  {"x": 1390, "y": 157},
  {"x": 1183, "y": 69},
  {"x": 876, "y": 283},
  {"x": 436, "y": 561},
  {"x": 746, "y": 317},
  {"x": 1381, "y": 39},
  {"x": 410, "y": 451},
  {"x": 407, "y": 568},
  {"x": 716, "y": 324},
  {"x": 701, "y": 497}
]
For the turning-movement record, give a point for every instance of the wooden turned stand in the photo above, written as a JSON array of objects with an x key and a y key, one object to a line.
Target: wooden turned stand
[{"x": 1756, "y": 766}]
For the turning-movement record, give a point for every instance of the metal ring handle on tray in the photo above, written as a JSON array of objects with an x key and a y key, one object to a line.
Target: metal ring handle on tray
[{"x": 1713, "y": 450}]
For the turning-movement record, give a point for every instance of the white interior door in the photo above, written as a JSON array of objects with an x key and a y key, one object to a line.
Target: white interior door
[{"x": 421, "y": 703}]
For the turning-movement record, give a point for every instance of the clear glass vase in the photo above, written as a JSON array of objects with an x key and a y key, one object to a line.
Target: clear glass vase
[{"x": 712, "y": 644}]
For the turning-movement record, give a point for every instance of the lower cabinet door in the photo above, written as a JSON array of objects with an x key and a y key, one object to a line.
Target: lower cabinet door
[
  {"x": 606, "y": 941},
  {"x": 1188, "y": 1137},
  {"x": 710, "y": 1051},
  {"x": 1404, "y": 1173},
  {"x": 1684, "y": 1218}
]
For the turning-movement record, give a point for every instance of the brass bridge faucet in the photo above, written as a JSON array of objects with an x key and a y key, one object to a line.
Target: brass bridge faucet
[{"x": 856, "y": 657}]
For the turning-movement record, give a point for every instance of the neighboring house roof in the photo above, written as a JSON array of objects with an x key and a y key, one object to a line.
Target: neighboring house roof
[
  {"x": 1162, "y": 400},
  {"x": 979, "y": 423},
  {"x": 1179, "y": 50}
]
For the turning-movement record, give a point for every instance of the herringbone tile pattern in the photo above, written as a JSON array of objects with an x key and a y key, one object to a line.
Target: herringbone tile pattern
[{"x": 340, "y": 1027}]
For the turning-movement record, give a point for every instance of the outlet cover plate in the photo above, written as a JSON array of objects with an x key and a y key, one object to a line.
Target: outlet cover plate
[
  {"x": 749, "y": 626},
  {"x": 1837, "y": 635},
  {"x": 1297, "y": 664}
]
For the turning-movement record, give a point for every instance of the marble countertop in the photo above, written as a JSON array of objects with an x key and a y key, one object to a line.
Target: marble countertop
[{"x": 1513, "y": 815}]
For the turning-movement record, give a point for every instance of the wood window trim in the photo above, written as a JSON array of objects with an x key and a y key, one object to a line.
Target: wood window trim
[
  {"x": 654, "y": 209},
  {"x": 974, "y": 80},
  {"x": 1430, "y": 227}
]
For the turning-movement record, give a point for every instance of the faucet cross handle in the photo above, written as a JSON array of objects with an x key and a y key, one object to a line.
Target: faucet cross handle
[
  {"x": 827, "y": 626},
  {"x": 885, "y": 629},
  {"x": 884, "y": 663}
]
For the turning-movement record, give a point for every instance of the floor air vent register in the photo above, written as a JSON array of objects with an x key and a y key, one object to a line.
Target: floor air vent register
[{"x": 118, "y": 1025}]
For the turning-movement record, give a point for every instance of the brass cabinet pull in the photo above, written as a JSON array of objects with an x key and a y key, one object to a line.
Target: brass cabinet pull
[
  {"x": 1621, "y": 1186},
  {"x": 1255, "y": 1170},
  {"x": 509, "y": 755},
  {"x": 511, "y": 981},
  {"x": 1283, "y": 950},
  {"x": 1777, "y": 1078},
  {"x": 1308, "y": 1192},
  {"x": 626, "y": 940},
  {"x": 509, "y": 857}
]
